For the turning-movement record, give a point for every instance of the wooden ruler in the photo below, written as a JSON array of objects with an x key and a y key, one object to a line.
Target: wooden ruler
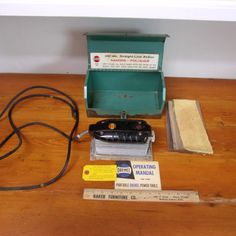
[{"x": 141, "y": 195}]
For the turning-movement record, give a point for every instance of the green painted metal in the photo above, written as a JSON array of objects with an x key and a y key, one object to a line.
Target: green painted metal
[
  {"x": 127, "y": 43},
  {"x": 138, "y": 93}
]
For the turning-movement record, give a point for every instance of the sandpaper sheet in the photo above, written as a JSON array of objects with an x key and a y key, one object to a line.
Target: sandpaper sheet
[
  {"x": 190, "y": 126},
  {"x": 176, "y": 143}
]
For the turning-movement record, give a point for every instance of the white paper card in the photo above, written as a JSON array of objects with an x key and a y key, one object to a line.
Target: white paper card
[{"x": 143, "y": 175}]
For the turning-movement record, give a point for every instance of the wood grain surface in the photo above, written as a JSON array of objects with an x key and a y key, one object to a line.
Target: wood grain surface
[{"x": 60, "y": 210}]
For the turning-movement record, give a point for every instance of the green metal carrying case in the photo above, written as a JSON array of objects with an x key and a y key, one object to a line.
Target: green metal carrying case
[{"x": 125, "y": 75}]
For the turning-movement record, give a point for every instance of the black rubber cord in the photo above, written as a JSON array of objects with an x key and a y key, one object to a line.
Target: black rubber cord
[{"x": 17, "y": 130}]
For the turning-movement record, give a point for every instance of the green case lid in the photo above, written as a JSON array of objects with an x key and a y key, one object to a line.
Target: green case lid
[{"x": 126, "y": 43}]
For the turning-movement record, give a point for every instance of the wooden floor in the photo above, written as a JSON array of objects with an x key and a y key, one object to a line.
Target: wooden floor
[{"x": 60, "y": 210}]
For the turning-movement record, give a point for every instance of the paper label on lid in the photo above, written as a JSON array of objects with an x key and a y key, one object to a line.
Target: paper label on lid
[{"x": 124, "y": 61}]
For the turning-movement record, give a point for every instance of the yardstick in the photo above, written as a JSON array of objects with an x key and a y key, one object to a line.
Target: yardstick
[{"x": 141, "y": 195}]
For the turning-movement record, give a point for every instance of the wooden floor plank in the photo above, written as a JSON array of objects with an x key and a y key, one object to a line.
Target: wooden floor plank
[{"x": 60, "y": 210}]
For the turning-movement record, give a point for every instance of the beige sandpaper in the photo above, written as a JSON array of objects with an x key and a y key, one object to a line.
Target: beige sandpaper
[{"x": 191, "y": 128}]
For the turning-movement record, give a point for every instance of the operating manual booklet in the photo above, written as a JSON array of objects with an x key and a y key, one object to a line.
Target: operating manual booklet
[{"x": 142, "y": 175}]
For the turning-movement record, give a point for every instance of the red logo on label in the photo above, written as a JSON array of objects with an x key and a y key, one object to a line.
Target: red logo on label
[{"x": 96, "y": 58}]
